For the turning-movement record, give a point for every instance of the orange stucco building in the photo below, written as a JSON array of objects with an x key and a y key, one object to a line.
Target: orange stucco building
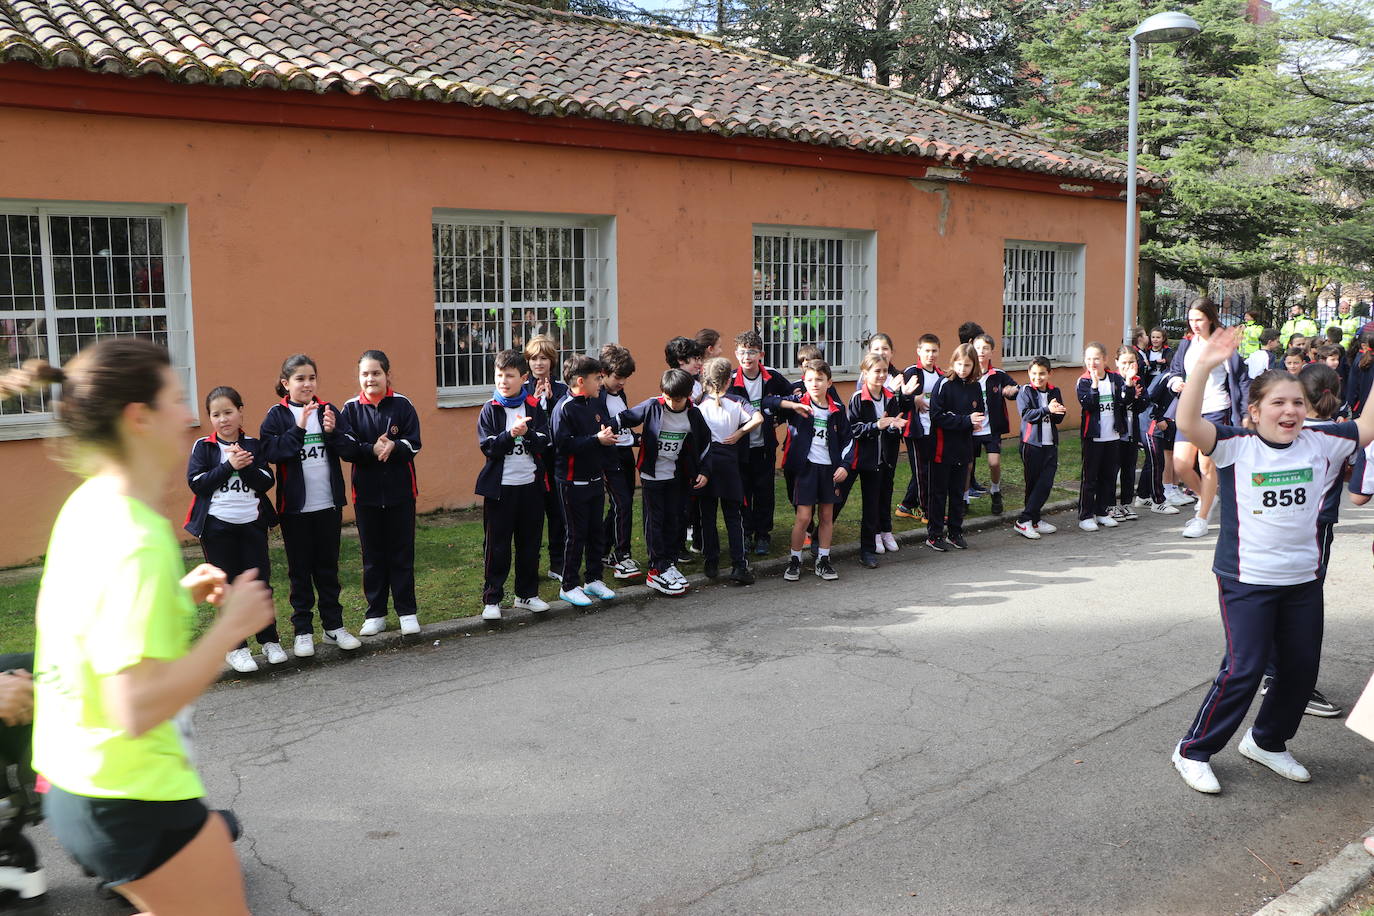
[{"x": 438, "y": 231}]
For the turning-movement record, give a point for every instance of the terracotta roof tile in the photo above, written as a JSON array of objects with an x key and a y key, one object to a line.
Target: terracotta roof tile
[{"x": 510, "y": 56}]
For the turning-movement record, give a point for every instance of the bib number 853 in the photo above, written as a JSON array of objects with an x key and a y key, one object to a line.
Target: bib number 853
[{"x": 1272, "y": 498}]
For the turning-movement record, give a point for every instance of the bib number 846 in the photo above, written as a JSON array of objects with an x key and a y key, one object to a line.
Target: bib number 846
[{"x": 1295, "y": 497}]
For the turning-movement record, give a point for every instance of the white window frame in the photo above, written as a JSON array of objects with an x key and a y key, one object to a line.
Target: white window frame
[
  {"x": 1065, "y": 317},
  {"x": 599, "y": 302},
  {"x": 857, "y": 304},
  {"x": 176, "y": 278}
]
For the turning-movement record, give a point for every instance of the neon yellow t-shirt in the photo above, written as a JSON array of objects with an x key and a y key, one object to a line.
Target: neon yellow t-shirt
[{"x": 110, "y": 597}]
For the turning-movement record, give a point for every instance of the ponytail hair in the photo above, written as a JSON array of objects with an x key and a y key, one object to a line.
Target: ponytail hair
[
  {"x": 1321, "y": 385},
  {"x": 1367, "y": 354},
  {"x": 288, "y": 368}
]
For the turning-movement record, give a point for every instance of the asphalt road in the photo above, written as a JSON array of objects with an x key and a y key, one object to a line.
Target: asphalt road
[{"x": 979, "y": 732}]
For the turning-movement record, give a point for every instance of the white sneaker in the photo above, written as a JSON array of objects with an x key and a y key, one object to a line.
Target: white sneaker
[
  {"x": 890, "y": 542},
  {"x": 1196, "y": 527},
  {"x": 1117, "y": 512},
  {"x": 491, "y": 612},
  {"x": 1163, "y": 508},
  {"x": 1026, "y": 529},
  {"x": 1106, "y": 521},
  {"x": 1196, "y": 773},
  {"x": 878, "y": 545},
  {"x": 672, "y": 574},
  {"x": 1088, "y": 524},
  {"x": 410, "y": 624},
  {"x": 535, "y": 605},
  {"x": 274, "y": 653},
  {"x": 597, "y": 589},
  {"x": 626, "y": 569},
  {"x": 555, "y": 576},
  {"x": 1127, "y": 514},
  {"x": 304, "y": 647},
  {"x": 372, "y": 626},
  {"x": 576, "y": 597},
  {"x": 662, "y": 582},
  {"x": 1141, "y": 502},
  {"x": 342, "y": 638},
  {"x": 1280, "y": 762},
  {"x": 1045, "y": 528},
  {"x": 1179, "y": 498},
  {"x": 241, "y": 660}
]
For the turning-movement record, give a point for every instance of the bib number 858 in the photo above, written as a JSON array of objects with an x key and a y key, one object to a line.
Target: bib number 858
[{"x": 1272, "y": 498}]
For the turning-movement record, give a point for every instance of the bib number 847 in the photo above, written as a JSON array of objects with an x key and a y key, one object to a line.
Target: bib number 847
[{"x": 1294, "y": 497}]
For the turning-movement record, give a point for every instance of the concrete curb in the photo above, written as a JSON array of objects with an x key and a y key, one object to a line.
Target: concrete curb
[
  {"x": 1328, "y": 888},
  {"x": 630, "y": 595}
]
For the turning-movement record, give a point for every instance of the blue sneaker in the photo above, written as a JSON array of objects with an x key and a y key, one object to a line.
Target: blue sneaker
[
  {"x": 598, "y": 589},
  {"x": 576, "y": 597}
]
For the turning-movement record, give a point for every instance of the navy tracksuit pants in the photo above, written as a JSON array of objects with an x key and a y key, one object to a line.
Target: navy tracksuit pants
[
  {"x": 584, "y": 509},
  {"x": 236, "y": 549},
  {"x": 948, "y": 481},
  {"x": 759, "y": 470},
  {"x": 664, "y": 503},
  {"x": 1039, "y": 463},
  {"x": 312, "y": 564},
  {"x": 1259, "y": 619},
  {"x": 1097, "y": 487},
  {"x": 553, "y": 516},
  {"x": 386, "y": 535},
  {"x": 920, "y": 455},
  {"x": 517, "y": 517},
  {"x": 620, "y": 493}
]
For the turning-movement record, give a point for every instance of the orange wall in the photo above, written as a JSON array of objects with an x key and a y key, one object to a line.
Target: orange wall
[{"x": 303, "y": 239}]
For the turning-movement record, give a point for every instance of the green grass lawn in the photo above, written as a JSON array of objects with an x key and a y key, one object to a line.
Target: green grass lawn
[{"x": 448, "y": 551}]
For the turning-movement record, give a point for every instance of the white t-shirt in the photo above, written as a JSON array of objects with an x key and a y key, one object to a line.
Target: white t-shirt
[
  {"x": 615, "y": 406},
  {"x": 753, "y": 388},
  {"x": 1046, "y": 425},
  {"x": 1257, "y": 363},
  {"x": 1270, "y": 499},
  {"x": 1106, "y": 421},
  {"x": 319, "y": 490},
  {"x": 672, "y": 436},
  {"x": 724, "y": 418},
  {"x": 518, "y": 468},
  {"x": 930, "y": 377},
  {"x": 985, "y": 428},
  {"x": 234, "y": 502},
  {"x": 820, "y": 436},
  {"x": 1216, "y": 396}
]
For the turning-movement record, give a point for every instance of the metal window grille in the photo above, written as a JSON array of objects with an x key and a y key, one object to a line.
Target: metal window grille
[
  {"x": 1041, "y": 307},
  {"x": 496, "y": 285},
  {"x": 70, "y": 279},
  {"x": 809, "y": 289}
]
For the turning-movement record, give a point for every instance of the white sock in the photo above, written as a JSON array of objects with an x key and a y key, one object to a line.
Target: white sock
[
  {"x": 796, "y": 554},
  {"x": 822, "y": 551},
  {"x": 994, "y": 488}
]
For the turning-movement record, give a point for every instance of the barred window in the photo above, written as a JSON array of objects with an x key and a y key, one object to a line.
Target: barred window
[
  {"x": 1042, "y": 301},
  {"x": 500, "y": 281},
  {"x": 812, "y": 286},
  {"x": 71, "y": 275}
]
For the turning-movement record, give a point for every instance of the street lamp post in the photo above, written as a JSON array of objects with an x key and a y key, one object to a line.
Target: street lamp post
[{"x": 1158, "y": 29}]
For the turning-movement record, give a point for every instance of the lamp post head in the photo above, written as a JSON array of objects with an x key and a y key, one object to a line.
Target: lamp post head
[{"x": 1166, "y": 27}]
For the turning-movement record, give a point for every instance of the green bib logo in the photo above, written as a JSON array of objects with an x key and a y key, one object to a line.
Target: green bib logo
[{"x": 1281, "y": 478}]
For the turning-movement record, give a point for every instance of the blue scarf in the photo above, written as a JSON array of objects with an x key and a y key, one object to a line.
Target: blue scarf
[{"x": 508, "y": 403}]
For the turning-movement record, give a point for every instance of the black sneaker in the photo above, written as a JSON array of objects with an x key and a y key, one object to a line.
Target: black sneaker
[
  {"x": 824, "y": 569},
  {"x": 958, "y": 541},
  {"x": 997, "y": 503},
  {"x": 749, "y": 541},
  {"x": 1318, "y": 705},
  {"x": 937, "y": 543},
  {"x": 741, "y": 574},
  {"x": 711, "y": 568},
  {"x": 763, "y": 545},
  {"x": 793, "y": 571},
  {"x": 868, "y": 559}
]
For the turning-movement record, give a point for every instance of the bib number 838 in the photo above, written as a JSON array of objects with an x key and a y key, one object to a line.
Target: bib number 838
[{"x": 1295, "y": 497}]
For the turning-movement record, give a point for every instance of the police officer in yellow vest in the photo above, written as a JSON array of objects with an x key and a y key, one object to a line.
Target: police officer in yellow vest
[
  {"x": 1349, "y": 323},
  {"x": 1298, "y": 323},
  {"x": 1250, "y": 332}
]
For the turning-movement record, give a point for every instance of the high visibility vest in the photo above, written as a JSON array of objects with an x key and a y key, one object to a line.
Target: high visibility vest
[
  {"x": 1250, "y": 338},
  {"x": 1350, "y": 325},
  {"x": 1301, "y": 325}
]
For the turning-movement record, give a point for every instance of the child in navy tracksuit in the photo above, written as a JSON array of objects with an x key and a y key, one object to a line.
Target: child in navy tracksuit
[
  {"x": 674, "y": 456},
  {"x": 998, "y": 389},
  {"x": 1128, "y": 367},
  {"x": 618, "y": 365},
  {"x": 1105, "y": 401},
  {"x": 230, "y": 512},
  {"x": 302, "y": 435},
  {"x": 957, "y": 407},
  {"x": 1042, "y": 408},
  {"x": 731, "y": 419},
  {"x": 763, "y": 388},
  {"x": 584, "y": 446},
  {"x": 541, "y": 352},
  {"x": 817, "y": 436},
  {"x": 513, "y": 433},
  {"x": 382, "y": 438},
  {"x": 918, "y": 382},
  {"x": 876, "y": 421},
  {"x": 880, "y": 345}
]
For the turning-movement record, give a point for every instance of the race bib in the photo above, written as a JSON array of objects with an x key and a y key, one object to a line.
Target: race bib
[
  {"x": 820, "y": 427},
  {"x": 1281, "y": 493},
  {"x": 313, "y": 448},
  {"x": 670, "y": 443},
  {"x": 235, "y": 485}
]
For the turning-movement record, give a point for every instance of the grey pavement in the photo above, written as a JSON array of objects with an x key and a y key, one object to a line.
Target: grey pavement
[{"x": 978, "y": 732}]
